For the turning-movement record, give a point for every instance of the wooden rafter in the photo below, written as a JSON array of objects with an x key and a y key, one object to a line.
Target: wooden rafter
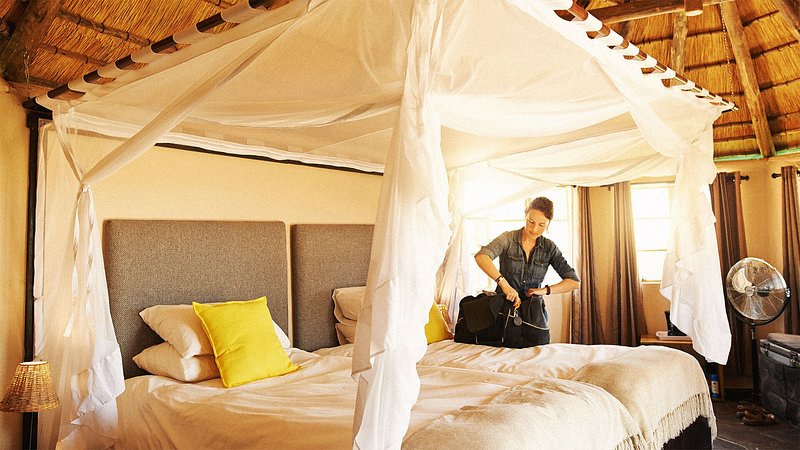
[
  {"x": 103, "y": 28},
  {"x": 222, "y": 4},
  {"x": 790, "y": 10},
  {"x": 680, "y": 30},
  {"x": 643, "y": 8},
  {"x": 72, "y": 55},
  {"x": 30, "y": 30},
  {"x": 747, "y": 75}
]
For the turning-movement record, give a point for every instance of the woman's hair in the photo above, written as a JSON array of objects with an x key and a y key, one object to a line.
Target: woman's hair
[{"x": 543, "y": 204}]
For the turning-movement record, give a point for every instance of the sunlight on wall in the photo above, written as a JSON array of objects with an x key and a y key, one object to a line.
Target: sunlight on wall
[{"x": 13, "y": 196}]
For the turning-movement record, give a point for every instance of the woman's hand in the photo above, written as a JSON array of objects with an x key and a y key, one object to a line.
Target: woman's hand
[
  {"x": 539, "y": 292},
  {"x": 511, "y": 293}
]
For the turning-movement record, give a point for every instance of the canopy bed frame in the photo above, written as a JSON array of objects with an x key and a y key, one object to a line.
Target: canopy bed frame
[
  {"x": 203, "y": 261},
  {"x": 400, "y": 104}
]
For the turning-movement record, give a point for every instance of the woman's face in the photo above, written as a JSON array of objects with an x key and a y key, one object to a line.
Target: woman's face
[{"x": 535, "y": 223}]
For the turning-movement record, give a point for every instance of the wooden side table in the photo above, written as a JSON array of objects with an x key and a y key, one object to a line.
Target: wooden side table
[{"x": 685, "y": 345}]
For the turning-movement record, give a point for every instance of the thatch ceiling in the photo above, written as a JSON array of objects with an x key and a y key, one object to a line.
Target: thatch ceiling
[{"x": 747, "y": 51}]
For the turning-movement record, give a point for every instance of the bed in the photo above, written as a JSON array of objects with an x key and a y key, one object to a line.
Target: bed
[{"x": 516, "y": 398}]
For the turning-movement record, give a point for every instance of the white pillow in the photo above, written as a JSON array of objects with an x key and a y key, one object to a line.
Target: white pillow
[
  {"x": 347, "y": 303},
  {"x": 345, "y": 333},
  {"x": 180, "y": 326},
  {"x": 164, "y": 360}
]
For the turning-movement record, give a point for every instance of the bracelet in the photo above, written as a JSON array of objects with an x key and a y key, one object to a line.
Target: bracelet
[
  {"x": 497, "y": 280},
  {"x": 548, "y": 289}
]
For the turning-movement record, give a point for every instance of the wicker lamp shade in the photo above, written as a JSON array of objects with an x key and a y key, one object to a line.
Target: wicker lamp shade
[{"x": 31, "y": 390}]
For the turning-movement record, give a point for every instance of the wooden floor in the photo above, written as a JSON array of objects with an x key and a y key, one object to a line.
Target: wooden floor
[{"x": 732, "y": 434}]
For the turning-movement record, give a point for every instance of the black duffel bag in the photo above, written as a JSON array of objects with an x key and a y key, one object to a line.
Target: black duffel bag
[{"x": 491, "y": 320}]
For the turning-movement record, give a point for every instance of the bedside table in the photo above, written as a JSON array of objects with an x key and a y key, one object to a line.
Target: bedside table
[{"x": 686, "y": 346}]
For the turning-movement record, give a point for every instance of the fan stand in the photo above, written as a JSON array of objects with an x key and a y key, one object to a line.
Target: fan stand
[{"x": 756, "y": 396}]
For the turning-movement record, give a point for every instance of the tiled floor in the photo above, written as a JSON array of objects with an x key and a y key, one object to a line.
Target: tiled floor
[{"x": 732, "y": 434}]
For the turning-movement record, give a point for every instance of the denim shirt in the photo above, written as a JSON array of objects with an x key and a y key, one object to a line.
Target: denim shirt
[{"x": 521, "y": 274}]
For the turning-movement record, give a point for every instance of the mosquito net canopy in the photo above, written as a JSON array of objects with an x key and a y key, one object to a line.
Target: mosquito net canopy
[{"x": 432, "y": 93}]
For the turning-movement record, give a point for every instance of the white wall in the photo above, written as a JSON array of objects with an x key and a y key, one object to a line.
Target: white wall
[{"x": 13, "y": 197}]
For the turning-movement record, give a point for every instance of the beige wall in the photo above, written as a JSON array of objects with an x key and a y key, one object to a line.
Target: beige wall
[
  {"x": 177, "y": 184},
  {"x": 13, "y": 195}
]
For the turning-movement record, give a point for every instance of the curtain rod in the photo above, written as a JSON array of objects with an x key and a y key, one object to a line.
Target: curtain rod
[
  {"x": 581, "y": 14},
  {"x": 778, "y": 175},
  {"x": 741, "y": 177}
]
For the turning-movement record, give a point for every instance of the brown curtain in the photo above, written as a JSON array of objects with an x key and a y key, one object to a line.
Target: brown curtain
[
  {"x": 586, "y": 324},
  {"x": 726, "y": 201},
  {"x": 626, "y": 292},
  {"x": 790, "y": 237}
]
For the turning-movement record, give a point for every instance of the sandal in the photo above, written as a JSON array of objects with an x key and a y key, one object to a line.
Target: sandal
[
  {"x": 741, "y": 409},
  {"x": 757, "y": 419}
]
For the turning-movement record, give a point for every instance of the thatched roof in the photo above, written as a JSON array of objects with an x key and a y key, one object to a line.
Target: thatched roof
[{"x": 746, "y": 51}]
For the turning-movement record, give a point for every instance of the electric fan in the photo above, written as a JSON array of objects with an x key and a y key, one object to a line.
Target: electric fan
[{"x": 758, "y": 295}]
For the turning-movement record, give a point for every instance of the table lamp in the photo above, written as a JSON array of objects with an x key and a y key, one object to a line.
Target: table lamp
[{"x": 30, "y": 391}]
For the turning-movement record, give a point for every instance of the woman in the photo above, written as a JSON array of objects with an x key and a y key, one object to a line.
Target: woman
[{"x": 524, "y": 258}]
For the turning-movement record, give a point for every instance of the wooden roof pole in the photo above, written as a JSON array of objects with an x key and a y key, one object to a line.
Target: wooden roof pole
[
  {"x": 30, "y": 30},
  {"x": 643, "y": 8},
  {"x": 680, "y": 30},
  {"x": 747, "y": 74},
  {"x": 790, "y": 10},
  {"x": 103, "y": 29}
]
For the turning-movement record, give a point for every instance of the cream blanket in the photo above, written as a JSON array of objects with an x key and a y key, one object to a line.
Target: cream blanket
[
  {"x": 663, "y": 389},
  {"x": 543, "y": 413}
]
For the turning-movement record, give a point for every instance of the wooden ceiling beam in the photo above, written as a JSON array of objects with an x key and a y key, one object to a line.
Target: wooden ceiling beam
[
  {"x": 222, "y": 4},
  {"x": 30, "y": 30},
  {"x": 72, "y": 55},
  {"x": 102, "y": 28},
  {"x": 680, "y": 30},
  {"x": 747, "y": 74},
  {"x": 643, "y": 8},
  {"x": 790, "y": 10}
]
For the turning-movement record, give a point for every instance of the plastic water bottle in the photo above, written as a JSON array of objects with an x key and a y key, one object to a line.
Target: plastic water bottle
[{"x": 714, "y": 386}]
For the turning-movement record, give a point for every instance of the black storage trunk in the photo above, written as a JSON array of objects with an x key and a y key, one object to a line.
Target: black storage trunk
[{"x": 779, "y": 370}]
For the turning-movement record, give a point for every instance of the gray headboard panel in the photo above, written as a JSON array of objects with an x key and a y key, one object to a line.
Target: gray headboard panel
[
  {"x": 324, "y": 257},
  {"x": 160, "y": 262}
]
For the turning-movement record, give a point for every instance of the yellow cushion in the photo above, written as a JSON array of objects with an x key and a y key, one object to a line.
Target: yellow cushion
[
  {"x": 436, "y": 329},
  {"x": 245, "y": 345}
]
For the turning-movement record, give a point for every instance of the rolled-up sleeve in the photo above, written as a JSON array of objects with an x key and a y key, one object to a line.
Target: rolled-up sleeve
[
  {"x": 562, "y": 267},
  {"x": 496, "y": 247}
]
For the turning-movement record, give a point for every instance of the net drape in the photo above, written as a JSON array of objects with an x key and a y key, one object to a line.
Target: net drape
[{"x": 502, "y": 94}]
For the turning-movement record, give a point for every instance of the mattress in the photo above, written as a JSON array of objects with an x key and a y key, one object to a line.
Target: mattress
[{"x": 313, "y": 408}]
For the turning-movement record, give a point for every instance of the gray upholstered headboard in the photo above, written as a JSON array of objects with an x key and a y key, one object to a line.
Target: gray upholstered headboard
[
  {"x": 160, "y": 262},
  {"x": 324, "y": 257}
]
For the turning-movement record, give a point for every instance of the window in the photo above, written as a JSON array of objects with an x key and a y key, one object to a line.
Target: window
[
  {"x": 478, "y": 232},
  {"x": 651, "y": 203}
]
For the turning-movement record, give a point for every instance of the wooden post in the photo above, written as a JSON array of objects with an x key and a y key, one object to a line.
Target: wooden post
[
  {"x": 680, "y": 30},
  {"x": 643, "y": 8},
  {"x": 747, "y": 75},
  {"x": 25, "y": 40}
]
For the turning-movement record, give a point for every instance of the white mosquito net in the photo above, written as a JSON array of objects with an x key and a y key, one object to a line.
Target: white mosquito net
[{"x": 434, "y": 94}]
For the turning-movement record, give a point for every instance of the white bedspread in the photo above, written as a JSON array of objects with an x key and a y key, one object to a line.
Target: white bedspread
[
  {"x": 313, "y": 408},
  {"x": 663, "y": 389}
]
